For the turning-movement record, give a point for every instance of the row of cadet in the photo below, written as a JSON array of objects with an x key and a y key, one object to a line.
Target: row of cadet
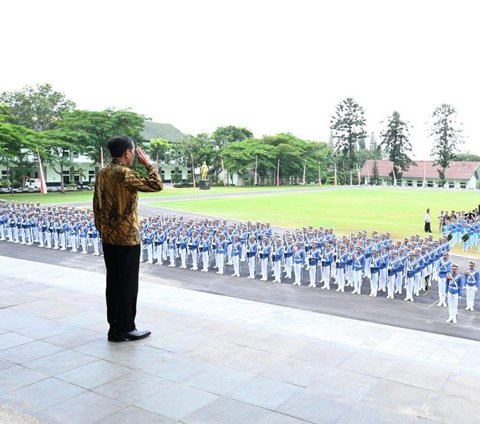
[
  {"x": 413, "y": 263},
  {"x": 464, "y": 229},
  {"x": 52, "y": 227}
]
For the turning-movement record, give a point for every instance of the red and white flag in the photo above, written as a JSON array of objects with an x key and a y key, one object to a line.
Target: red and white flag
[
  {"x": 101, "y": 157},
  {"x": 43, "y": 184}
]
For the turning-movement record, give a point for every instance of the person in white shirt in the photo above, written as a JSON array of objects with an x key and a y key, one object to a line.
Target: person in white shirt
[{"x": 426, "y": 219}]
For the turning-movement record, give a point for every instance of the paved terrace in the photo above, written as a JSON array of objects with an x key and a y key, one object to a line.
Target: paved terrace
[{"x": 216, "y": 359}]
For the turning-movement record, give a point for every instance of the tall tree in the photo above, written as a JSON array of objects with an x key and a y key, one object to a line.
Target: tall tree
[
  {"x": 467, "y": 157},
  {"x": 230, "y": 134},
  {"x": 158, "y": 149},
  {"x": 240, "y": 158},
  {"x": 396, "y": 144},
  {"x": 37, "y": 108},
  {"x": 348, "y": 127},
  {"x": 94, "y": 128},
  {"x": 446, "y": 133},
  {"x": 16, "y": 145},
  {"x": 59, "y": 146}
]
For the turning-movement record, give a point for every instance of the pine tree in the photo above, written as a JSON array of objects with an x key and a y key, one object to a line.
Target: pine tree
[
  {"x": 395, "y": 141},
  {"x": 446, "y": 133},
  {"x": 375, "y": 151},
  {"x": 348, "y": 129}
]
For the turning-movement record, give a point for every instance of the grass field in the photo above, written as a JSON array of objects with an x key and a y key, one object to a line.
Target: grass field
[
  {"x": 399, "y": 211},
  {"x": 86, "y": 196}
]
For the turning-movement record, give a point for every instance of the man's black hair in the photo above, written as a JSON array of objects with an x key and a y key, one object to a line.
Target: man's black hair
[{"x": 118, "y": 145}]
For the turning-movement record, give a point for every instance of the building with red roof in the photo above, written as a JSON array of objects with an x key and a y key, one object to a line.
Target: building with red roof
[{"x": 424, "y": 173}]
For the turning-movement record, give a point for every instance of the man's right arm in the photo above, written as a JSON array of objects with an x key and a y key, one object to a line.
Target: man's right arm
[{"x": 97, "y": 204}]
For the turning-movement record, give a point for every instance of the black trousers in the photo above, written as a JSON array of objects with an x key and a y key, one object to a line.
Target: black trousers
[
  {"x": 427, "y": 227},
  {"x": 122, "y": 263}
]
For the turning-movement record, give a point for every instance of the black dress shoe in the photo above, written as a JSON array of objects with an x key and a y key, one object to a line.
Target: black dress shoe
[{"x": 119, "y": 336}]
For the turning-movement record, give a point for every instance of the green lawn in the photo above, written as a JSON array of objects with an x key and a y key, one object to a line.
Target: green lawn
[
  {"x": 399, "y": 211},
  {"x": 86, "y": 196}
]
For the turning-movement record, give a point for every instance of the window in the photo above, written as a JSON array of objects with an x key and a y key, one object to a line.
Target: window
[
  {"x": 419, "y": 183},
  {"x": 429, "y": 183},
  {"x": 451, "y": 184},
  {"x": 75, "y": 155},
  {"x": 91, "y": 173},
  {"x": 463, "y": 184},
  {"x": 399, "y": 183},
  {"x": 409, "y": 183}
]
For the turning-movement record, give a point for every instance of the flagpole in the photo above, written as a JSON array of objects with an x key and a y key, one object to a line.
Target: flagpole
[
  {"x": 223, "y": 171},
  {"x": 43, "y": 184},
  {"x": 255, "y": 174},
  {"x": 334, "y": 174},
  {"x": 101, "y": 157},
  {"x": 304, "y": 169},
  {"x": 278, "y": 172}
]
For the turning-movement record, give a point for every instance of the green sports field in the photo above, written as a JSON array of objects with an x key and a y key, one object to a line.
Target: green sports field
[
  {"x": 399, "y": 211},
  {"x": 86, "y": 196}
]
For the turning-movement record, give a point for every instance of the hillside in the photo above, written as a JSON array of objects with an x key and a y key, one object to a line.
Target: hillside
[{"x": 159, "y": 130}]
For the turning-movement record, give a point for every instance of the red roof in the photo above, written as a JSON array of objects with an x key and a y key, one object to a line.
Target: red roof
[{"x": 423, "y": 168}]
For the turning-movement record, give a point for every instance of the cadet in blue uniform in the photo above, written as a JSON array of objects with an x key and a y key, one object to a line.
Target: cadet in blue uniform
[
  {"x": 453, "y": 287},
  {"x": 277, "y": 257},
  {"x": 221, "y": 252},
  {"x": 358, "y": 271},
  {"x": 471, "y": 281},
  {"x": 236, "y": 255},
  {"x": 264, "y": 253},
  {"x": 289, "y": 245},
  {"x": 341, "y": 264},
  {"x": 391, "y": 274},
  {"x": 313, "y": 257},
  {"x": 327, "y": 261},
  {"x": 374, "y": 272},
  {"x": 298, "y": 263},
  {"x": 251, "y": 255},
  {"x": 204, "y": 248},
  {"x": 411, "y": 270},
  {"x": 444, "y": 268}
]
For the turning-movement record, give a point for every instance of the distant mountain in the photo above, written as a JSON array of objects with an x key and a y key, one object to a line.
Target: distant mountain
[{"x": 158, "y": 130}]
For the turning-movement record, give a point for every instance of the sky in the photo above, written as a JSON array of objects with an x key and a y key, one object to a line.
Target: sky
[{"x": 268, "y": 65}]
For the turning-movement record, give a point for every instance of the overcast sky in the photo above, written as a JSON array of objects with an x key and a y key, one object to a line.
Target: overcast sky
[{"x": 271, "y": 66}]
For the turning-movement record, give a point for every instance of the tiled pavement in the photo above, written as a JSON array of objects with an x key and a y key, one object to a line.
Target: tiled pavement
[{"x": 215, "y": 359}]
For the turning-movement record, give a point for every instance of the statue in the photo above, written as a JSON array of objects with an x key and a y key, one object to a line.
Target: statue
[{"x": 204, "y": 172}]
